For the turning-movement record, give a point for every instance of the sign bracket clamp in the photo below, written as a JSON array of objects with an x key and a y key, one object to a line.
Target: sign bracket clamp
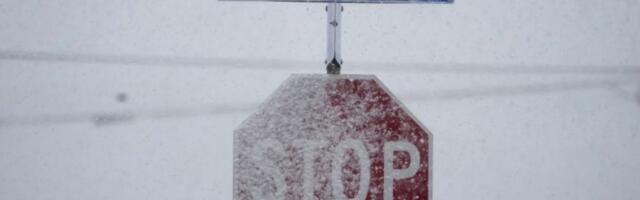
[{"x": 334, "y": 28}]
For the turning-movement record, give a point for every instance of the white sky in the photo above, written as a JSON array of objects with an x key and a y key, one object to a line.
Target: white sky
[{"x": 526, "y": 99}]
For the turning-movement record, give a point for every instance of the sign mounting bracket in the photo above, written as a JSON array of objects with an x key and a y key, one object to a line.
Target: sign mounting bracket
[
  {"x": 334, "y": 10},
  {"x": 334, "y": 29}
]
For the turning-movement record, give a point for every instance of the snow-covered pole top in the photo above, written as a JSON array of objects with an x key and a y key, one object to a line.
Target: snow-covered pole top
[{"x": 334, "y": 24}]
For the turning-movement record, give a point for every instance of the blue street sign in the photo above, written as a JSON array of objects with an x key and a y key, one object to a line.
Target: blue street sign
[{"x": 359, "y": 1}]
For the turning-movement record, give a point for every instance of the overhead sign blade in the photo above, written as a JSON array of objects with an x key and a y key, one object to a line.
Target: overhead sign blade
[{"x": 358, "y": 1}]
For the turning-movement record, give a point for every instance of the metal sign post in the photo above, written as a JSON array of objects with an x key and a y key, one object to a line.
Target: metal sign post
[{"x": 334, "y": 24}]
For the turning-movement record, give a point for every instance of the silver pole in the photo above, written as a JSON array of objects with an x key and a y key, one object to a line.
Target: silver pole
[{"x": 334, "y": 24}]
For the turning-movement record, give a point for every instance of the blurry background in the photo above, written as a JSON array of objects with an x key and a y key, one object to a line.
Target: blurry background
[{"x": 138, "y": 99}]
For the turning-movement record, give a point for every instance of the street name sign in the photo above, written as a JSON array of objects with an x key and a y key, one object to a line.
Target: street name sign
[
  {"x": 358, "y": 1},
  {"x": 342, "y": 137}
]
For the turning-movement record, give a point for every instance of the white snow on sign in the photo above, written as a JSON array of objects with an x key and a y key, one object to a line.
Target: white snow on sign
[{"x": 331, "y": 137}]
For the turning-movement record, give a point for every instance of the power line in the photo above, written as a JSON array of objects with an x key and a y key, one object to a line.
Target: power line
[
  {"x": 109, "y": 118},
  {"x": 290, "y": 65},
  {"x": 164, "y": 61}
]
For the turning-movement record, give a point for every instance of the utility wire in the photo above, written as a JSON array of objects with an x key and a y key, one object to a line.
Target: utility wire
[
  {"x": 291, "y": 65},
  {"x": 109, "y": 118}
]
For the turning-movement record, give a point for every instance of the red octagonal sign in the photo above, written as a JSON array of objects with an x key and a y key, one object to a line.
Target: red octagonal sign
[{"x": 331, "y": 137}]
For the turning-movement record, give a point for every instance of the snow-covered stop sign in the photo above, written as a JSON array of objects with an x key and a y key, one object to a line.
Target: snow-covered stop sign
[{"x": 331, "y": 137}]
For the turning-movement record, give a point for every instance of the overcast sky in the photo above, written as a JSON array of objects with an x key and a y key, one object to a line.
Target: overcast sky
[{"x": 138, "y": 99}]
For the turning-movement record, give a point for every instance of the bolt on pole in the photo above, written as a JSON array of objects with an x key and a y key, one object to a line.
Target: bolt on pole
[{"x": 334, "y": 24}]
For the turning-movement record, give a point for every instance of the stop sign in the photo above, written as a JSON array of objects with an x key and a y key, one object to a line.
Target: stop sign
[{"x": 331, "y": 137}]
